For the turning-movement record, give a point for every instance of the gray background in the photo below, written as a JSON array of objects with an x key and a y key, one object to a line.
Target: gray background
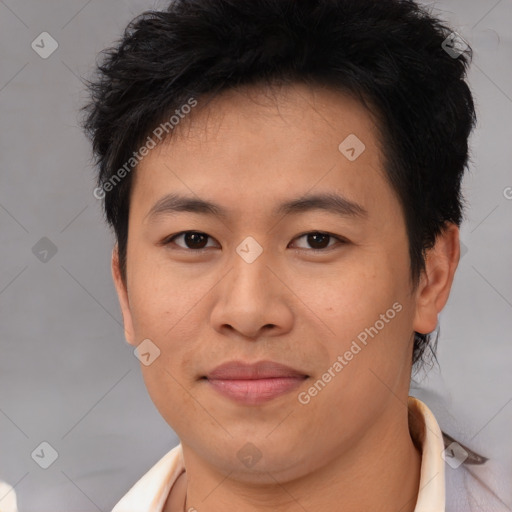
[{"x": 66, "y": 374}]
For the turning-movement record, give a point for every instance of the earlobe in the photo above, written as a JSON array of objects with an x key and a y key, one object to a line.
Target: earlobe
[
  {"x": 435, "y": 284},
  {"x": 122, "y": 294}
]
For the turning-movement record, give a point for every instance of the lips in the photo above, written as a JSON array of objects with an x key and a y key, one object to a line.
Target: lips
[
  {"x": 238, "y": 370},
  {"x": 253, "y": 384}
]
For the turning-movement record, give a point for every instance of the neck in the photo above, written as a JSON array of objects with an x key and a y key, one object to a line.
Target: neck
[{"x": 381, "y": 472}]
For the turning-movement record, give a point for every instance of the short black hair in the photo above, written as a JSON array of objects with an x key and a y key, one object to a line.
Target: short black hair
[{"x": 392, "y": 55}]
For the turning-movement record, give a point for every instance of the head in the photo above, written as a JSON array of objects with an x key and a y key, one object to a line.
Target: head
[{"x": 251, "y": 105}]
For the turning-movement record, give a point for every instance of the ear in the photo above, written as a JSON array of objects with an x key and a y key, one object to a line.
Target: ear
[
  {"x": 436, "y": 282},
  {"x": 122, "y": 294}
]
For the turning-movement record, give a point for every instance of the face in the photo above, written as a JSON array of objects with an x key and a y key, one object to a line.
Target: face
[{"x": 324, "y": 291}]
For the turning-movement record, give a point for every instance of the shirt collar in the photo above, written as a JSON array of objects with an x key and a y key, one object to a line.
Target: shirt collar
[{"x": 427, "y": 435}]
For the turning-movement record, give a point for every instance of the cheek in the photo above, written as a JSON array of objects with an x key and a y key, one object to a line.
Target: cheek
[
  {"x": 362, "y": 314},
  {"x": 160, "y": 298},
  {"x": 169, "y": 309},
  {"x": 349, "y": 297},
  {"x": 174, "y": 399}
]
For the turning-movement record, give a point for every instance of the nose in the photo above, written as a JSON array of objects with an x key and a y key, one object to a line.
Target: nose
[{"x": 253, "y": 300}]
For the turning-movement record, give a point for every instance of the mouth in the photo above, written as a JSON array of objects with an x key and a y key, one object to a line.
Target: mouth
[{"x": 253, "y": 384}]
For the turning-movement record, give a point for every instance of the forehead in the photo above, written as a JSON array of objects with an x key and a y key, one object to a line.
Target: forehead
[
  {"x": 260, "y": 112},
  {"x": 249, "y": 145}
]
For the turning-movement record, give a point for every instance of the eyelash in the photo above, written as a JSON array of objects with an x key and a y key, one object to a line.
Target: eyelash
[{"x": 167, "y": 241}]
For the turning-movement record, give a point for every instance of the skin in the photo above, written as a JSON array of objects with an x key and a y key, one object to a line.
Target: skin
[{"x": 248, "y": 151}]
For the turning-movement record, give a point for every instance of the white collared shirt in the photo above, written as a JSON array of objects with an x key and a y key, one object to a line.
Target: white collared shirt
[{"x": 150, "y": 493}]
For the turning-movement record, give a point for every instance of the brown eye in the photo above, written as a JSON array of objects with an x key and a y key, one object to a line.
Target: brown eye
[
  {"x": 319, "y": 241},
  {"x": 194, "y": 240}
]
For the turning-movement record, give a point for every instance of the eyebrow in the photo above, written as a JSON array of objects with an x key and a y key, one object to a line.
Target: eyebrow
[{"x": 330, "y": 202}]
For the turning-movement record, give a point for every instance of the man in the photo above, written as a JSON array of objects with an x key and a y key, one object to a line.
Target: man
[{"x": 283, "y": 179}]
